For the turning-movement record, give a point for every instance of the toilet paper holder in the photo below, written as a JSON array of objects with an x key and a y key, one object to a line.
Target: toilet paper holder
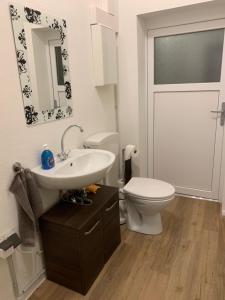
[{"x": 128, "y": 153}]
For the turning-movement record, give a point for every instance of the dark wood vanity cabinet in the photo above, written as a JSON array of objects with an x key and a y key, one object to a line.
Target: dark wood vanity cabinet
[{"x": 78, "y": 240}]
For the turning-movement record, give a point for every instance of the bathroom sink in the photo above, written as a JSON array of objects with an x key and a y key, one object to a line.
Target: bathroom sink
[{"x": 81, "y": 168}]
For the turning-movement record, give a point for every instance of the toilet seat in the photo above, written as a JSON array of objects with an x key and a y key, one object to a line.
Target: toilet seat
[
  {"x": 145, "y": 200},
  {"x": 148, "y": 189}
]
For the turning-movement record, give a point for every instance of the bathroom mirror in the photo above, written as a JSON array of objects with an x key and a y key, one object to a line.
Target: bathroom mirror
[{"x": 43, "y": 64}]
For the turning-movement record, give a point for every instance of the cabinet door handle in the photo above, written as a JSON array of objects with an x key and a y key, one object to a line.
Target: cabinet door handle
[
  {"x": 92, "y": 229},
  {"x": 111, "y": 207}
]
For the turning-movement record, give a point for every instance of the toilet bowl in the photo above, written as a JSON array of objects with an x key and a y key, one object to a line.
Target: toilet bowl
[{"x": 145, "y": 199}]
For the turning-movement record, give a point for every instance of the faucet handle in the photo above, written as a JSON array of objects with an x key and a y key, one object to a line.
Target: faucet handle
[
  {"x": 63, "y": 155},
  {"x": 67, "y": 153},
  {"x": 86, "y": 146},
  {"x": 60, "y": 156}
]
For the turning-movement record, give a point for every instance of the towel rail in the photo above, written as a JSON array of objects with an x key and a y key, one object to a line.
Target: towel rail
[{"x": 17, "y": 167}]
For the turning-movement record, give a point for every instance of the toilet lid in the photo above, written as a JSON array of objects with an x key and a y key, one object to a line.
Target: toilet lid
[{"x": 148, "y": 188}]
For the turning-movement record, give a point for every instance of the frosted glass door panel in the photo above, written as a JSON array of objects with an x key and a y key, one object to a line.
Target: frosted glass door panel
[{"x": 188, "y": 58}]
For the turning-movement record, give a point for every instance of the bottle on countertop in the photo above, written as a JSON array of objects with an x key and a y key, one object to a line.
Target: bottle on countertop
[{"x": 47, "y": 158}]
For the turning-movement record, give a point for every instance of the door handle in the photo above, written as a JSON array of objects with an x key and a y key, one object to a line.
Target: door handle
[{"x": 222, "y": 114}]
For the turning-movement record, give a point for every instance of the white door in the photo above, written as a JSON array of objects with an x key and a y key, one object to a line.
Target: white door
[{"x": 185, "y": 88}]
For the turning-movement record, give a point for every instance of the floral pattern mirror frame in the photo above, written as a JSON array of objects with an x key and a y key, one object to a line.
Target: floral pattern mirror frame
[{"x": 19, "y": 15}]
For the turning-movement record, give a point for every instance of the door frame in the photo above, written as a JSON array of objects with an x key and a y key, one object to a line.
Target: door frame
[{"x": 149, "y": 100}]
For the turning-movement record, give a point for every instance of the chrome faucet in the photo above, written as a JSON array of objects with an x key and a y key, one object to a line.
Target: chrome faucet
[{"x": 64, "y": 154}]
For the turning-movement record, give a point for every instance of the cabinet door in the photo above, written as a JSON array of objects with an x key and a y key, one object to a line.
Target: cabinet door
[
  {"x": 104, "y": 55},
  {"x": 60, "y": 244},
  {"x": 61, "y": 255},
  {"x": 111, "y": 227},
  {"x": 92, "y": 254}
]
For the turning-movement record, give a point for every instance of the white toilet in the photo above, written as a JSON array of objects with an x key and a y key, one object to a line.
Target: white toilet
[{"x": 145, "y": 197}]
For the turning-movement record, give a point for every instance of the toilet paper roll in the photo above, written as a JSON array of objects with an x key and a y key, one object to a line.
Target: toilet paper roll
[{"x": 130, "y": 151}]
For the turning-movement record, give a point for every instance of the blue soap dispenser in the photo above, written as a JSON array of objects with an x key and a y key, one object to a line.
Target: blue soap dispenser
[{"x": 47, "y": 158}]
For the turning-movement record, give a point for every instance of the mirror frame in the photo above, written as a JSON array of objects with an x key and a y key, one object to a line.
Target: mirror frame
[{"x": 20, "y": 14}]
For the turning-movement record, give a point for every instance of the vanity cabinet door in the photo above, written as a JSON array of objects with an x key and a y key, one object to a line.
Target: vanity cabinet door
[
  {"x": 91, "y": 251},
  {"x": 59, "y": 244},
  {"x": 111, "y": 227},
  {"x": 61, "y": 255}
]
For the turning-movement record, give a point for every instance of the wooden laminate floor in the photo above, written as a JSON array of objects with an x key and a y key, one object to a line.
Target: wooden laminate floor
[{"x": 185, "y": 262}]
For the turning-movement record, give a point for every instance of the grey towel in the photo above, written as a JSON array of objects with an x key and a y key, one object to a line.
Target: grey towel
[{"x": 29, "y": 203}]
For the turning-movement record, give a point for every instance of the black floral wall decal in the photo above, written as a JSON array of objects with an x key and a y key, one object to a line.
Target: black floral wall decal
[
  {"x": 27, "y": 91},
  {"x": 14, "y": 13},
  {"x": 64, "y": 54},
  {"x": 68, "y": 90},
  {"x": 64, "y": 23},
  {"x": 50, "y": 113},
  {"x": 69, "y": 110},
  {"x": 62, "y": 36},
  {"x": 65, "y": 69},
  {"x": 32, "y": 16},
  {"x": 55, "y": 25},
  {"x": 59, "y": 114},
  {"x": 21, "y": 61},
  {"x": 30, "y": 114},
  {"x": 22, "y": 38}
]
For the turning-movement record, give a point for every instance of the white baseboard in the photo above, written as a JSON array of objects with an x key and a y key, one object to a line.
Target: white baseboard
[
  {"x": 197, "y": 197},
  {"x": 33, "y": 287}
]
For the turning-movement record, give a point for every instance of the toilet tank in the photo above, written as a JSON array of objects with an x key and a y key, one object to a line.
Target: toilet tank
[{"x": 107, "y": 141}]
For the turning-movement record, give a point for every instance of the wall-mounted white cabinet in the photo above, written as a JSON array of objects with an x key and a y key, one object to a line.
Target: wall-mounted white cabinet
[
  {"x": 101, "y": 17},
  {"x": 104, "y": 55},
  {"x": 107, "y": 5}
]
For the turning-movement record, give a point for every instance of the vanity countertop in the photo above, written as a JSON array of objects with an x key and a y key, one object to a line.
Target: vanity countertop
[{"x": 76, "y": 216}]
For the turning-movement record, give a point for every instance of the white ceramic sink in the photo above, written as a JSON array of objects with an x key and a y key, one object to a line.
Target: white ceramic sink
[{"x": 83, "y": 167}]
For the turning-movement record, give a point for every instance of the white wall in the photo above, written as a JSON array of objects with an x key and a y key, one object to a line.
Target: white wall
[
  {"x": 130, "y": 77},
  {"x": 133, "y": 22},
  {"x": 134, "y": 18},
  {"x": 93, "y": 109},
  {"x": 128, "y": 61}
]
